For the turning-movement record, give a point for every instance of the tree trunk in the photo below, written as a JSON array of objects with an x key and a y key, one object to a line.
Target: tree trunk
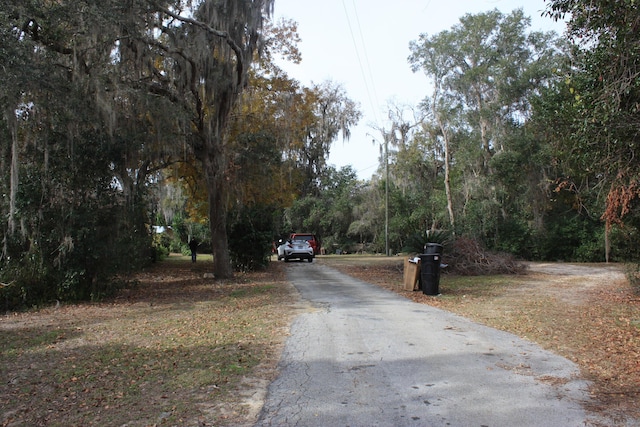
[
  {"x": 607, "y": 241},
  {"x": 486, "y": 147},
  {"x": 13, "y": 192},
  {"x": 215, "y": 169},
  {"x": 447, "y": 186},
  {"x": 447, "y": 157},
  {"x": 447, "y": 174}
]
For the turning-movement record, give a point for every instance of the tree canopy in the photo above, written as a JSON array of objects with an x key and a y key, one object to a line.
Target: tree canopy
[
  {"x": 120, "y": 116},
  {"x": 604, "y": 82}
]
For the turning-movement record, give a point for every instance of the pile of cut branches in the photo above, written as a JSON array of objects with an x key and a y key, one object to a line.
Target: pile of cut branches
[{"x": 467, "y": 257}]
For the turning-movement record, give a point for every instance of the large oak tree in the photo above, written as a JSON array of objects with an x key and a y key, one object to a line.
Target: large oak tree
[{"x": 178, "y": 66}]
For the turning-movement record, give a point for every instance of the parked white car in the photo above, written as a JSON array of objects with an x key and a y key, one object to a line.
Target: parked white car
[{"x": 295, "y": 249}]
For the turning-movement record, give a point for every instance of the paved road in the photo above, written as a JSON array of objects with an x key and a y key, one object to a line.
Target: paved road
[{"x": 364, "y": 356}]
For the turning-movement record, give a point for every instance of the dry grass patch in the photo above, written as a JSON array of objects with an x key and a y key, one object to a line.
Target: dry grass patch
[{"x": 176, "y": 350}]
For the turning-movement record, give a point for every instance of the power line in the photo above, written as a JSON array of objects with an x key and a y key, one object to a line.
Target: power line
[
  {"x": 366, "y": 57},
  {"x": 355, "y": 45}
]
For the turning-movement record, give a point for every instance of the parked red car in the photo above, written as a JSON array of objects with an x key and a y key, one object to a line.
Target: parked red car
[{"x": 311, "y": 238}]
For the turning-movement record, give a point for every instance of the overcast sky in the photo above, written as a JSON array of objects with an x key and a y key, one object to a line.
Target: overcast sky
[{"x": 364, "y": 44}]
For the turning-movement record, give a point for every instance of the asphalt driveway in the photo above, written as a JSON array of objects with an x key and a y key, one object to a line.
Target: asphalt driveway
[{"x": 363, "y": 356}]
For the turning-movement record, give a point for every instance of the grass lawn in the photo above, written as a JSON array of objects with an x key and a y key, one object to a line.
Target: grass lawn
[{"x": 175, "y": 350}]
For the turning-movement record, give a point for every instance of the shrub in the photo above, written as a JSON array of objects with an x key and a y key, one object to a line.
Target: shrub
[{"x": 250, "y": 238}]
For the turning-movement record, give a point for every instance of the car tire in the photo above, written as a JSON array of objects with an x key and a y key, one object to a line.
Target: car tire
[{"x": 310, "y": 259}]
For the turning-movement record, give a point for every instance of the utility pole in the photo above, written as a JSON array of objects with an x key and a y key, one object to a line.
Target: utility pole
[
  {"x": 386, "y": 195},
  {"x": 386, "y": 189}
]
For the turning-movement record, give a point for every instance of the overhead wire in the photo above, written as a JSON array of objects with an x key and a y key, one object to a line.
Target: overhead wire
[
  {"x": 366, "y": 57},
  {"x": 365, "y": 79}
]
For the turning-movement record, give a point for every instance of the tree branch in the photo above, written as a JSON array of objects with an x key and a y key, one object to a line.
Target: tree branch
[
  {"x": 32, "y": 27},
  {"x": 181, "y": 53},
  {"x": 222, "y": 34}
]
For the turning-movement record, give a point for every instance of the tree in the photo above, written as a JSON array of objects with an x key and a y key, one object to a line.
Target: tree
[
  {"x": 329, "y": 212},
  {"x": 604, "y": 84},
  {"x": 257, "y": 136},
  {"x": 486, "y": 64},
  {"x": 440, "y": 107},
  {"x": 76, "y": 211},
  {"x": 332, "y": 114},
  {"x": 483, "y": 72},
  {"x": 205, "y": 57},
  {"x": 99, "y": 97}
]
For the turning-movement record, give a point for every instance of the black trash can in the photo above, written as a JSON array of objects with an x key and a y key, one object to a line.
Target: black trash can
[
  {"x": 433, "y": 248},
  {"x": 430, "y": 273}
]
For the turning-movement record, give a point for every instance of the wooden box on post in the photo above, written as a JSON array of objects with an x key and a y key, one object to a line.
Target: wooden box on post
[{"x": 411, "y": 274}]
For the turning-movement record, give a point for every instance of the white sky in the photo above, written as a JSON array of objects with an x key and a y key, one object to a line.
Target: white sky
[{"x": 364, "y": 44}]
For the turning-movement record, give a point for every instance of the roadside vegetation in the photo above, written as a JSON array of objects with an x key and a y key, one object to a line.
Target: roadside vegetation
[{"x": 117, "y": 124}]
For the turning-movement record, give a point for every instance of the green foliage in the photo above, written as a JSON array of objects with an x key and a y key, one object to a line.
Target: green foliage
[
  {"x": 513, "y": 236},
  {"x": 76, "y": 215},
  {"x": 624, "y": 241},
  {"x": 330, "y": 213},
  {"x": 605, "y": 95},
  {"x": 528, "y": 142},
  {"x": 485, "y": 70},
  {"x": 184, "y": 229},
  {"x": 570, "y": 236},
  {"x": 71, "y": 248},
  {"x": 251, "y": 237},
  {"x": 521, "y": 147}
]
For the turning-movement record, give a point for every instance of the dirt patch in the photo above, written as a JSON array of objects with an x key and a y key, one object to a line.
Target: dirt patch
[{"x": 571, "y": 283}]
